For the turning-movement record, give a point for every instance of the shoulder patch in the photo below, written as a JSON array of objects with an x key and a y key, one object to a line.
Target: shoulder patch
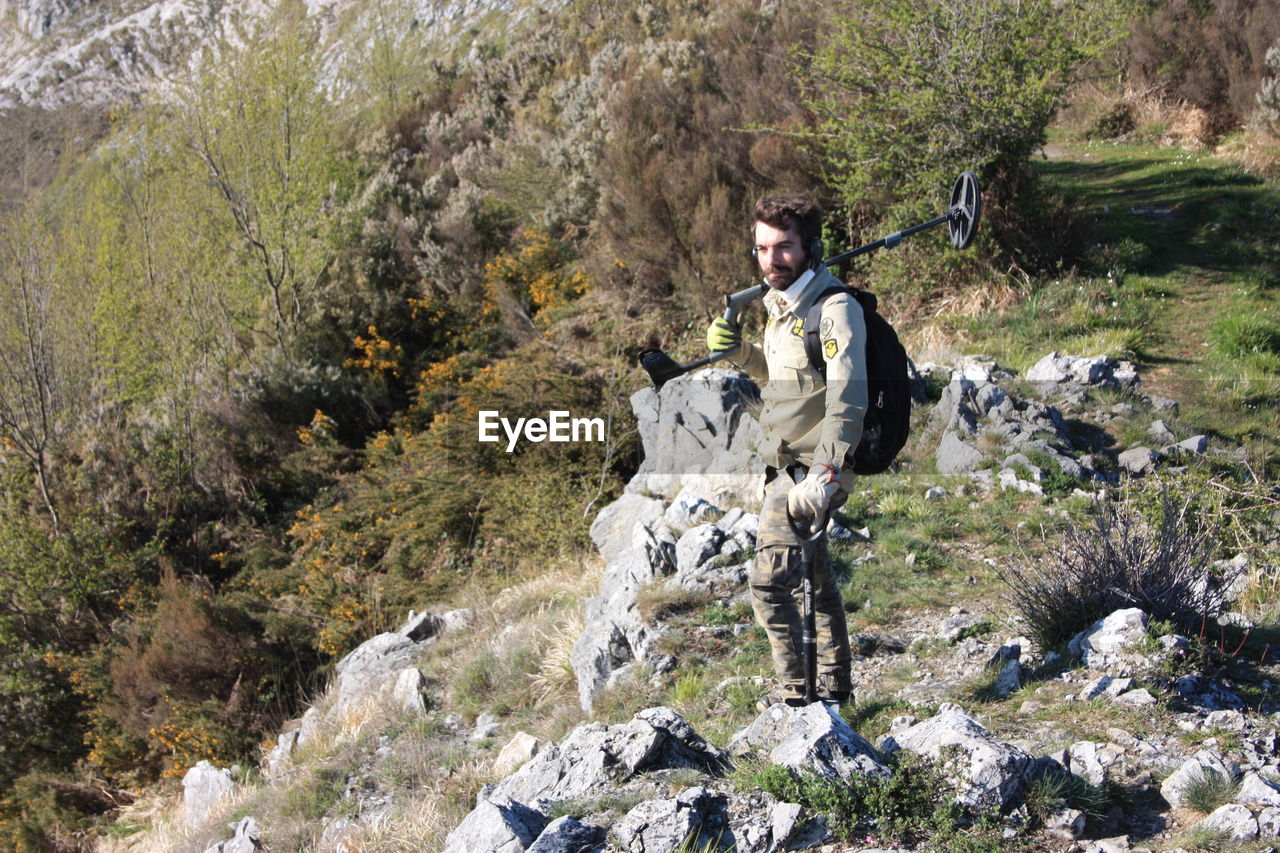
[
  {"x": 797, "y": 328},
  {"x": 826, "y": 326},
  {"x": 829, "y": 348}
]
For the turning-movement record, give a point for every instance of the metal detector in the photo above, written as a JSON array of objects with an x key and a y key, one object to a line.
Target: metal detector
[{"x": 961, "y": 220}]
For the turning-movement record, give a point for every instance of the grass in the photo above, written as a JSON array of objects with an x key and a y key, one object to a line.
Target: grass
[{"x": 1208, "y": 791}]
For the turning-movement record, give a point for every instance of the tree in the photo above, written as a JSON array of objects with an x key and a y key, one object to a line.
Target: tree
[
  {"x": 909, "y": 94},
  {"x": 262, "y": 132},
  {"x": 42, "y": 364}
]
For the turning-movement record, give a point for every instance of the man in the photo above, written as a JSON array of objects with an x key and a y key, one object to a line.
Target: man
[{"x": 811, "y": 424}]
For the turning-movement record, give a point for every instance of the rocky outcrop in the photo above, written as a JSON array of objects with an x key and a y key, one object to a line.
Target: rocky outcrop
[
  {"x": 810, "y": 739},
  {"x": 379, "y": 673},
  {"x": 206, "y": 790}
]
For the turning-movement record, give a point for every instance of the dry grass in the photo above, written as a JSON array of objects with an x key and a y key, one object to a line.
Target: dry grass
[{"x": 1257, "y": 151}]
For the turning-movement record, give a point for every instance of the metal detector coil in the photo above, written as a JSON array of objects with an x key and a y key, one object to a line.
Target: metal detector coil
[{"x": 965, "y": 211}]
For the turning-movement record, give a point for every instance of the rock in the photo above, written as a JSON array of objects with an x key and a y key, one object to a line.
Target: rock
[
  {"x": 1207, "y": 694},
  {"x": 1105, "y": 686},
  {"x": 697, "y": 547},
  {"x": 1139, "y": 460},
  {"x": 486, "y": 727},
  {"x": 282, "y": 752},
  {"x": 614, "y": 528},
  {"x": 518, "y": 750},
  {"x": 1255, "y": 790},
  {"x": 244, "y": 839},
  {"x": 205, "y": 790},
  {"x": 1160, "y": 432},
  {"x": 1066, "y": 823},
  {"x": 1100, "y": 370},
  {"x": 935, "y": 493},
  {"x": 1009, "y": 681},
  {"x": 1204, "y": 761},
  {"x": 1118, "y": 844},
  {"x": 1091, "y": 761},
  {"x": 595, "y": 758},
  {"x": 810, "y": 738},
  {"x": 339, "y": 836},
  {"x": 688, "y": 510},
  {"x": 693, "y": 818},
  {"x": 408, "y": 691},
  {"x": 496, "y": 825},
  {"x": 1234, "y": 820},
  {"x": 1139, "y": 698},
  {"x": 955, "y": 457},
  {"x": 957, "y": 625},
  {"x": 568, "y": 835},
  {"x": 988, "y": 773},
  {"x": 699, "y": 432},
  {"x": 1269, "y": 822},
  {"x": 368, "y": 673},
  {"x": 1105, "y": 642},
  {"x": 1195, "y": 445}
]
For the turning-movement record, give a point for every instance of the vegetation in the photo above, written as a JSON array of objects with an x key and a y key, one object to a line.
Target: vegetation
[{"x": 246, "y": 332}]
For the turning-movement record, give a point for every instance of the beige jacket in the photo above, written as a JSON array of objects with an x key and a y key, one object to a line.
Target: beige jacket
[{"x": 805, "y": 419}]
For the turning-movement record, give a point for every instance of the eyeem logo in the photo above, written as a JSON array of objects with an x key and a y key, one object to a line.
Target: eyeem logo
[{"x": 559, "y": 426}]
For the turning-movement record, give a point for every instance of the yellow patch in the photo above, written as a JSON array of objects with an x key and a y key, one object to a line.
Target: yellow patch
[
  {"x": 798, "y": 328},
  {"x": 829, "y": 348}
]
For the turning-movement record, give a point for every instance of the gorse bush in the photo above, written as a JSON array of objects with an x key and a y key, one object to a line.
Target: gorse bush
[{"x": 1118, "y": 558}]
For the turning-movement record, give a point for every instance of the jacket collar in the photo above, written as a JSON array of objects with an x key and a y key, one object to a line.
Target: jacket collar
[{"x": 798, "y": 302}]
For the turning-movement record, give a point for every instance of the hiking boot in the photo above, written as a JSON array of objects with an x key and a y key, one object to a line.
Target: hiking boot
[
  {"x": 836, "y": 698},
  {"x": 776, "y": 697}
]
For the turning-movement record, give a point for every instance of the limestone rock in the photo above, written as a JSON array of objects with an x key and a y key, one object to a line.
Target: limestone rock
[
  {"x": 1105, "y": 643},
  {"x": 1139, "y": 460},
  {"x": 698, "y": 431},
  {"x": 496, "y": 825},
  {"x": 408, "y": 691},
  {"x": 811, "y": 738},
  {"x": 1256, "y": 790},
  {"x": 955, "y": 456},
  {"x": 568, "y": 835},
  {"x": 594, "y": 758},
  {"x": 1234, "y": 820},
  {"x": 244, "y": 839},
  {"x": 613, "y": 530},
  {"x": 667, "y": 824},
  {"x": 205, "y": 790},
  {"x": 1204, "y": 761},
  {"x": 519, "y": 749},
  {"x": 1099, "y": 370},
  {"x": 987, "y": 772},
  {"x": 1066, "y": 823}
]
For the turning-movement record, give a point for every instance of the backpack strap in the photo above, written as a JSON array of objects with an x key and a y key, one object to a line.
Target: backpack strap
[{"x": 812, "y": 321}]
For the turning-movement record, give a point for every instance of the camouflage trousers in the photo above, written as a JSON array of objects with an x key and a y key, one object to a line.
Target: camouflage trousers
[{"x": 777, "y": 590}]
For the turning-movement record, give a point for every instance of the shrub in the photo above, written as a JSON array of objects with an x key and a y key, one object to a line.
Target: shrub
[
  {"x": 1116, "y": 559},
  {"x": 1208, "y": 790},
  {"x": 1239, "y": 334}
]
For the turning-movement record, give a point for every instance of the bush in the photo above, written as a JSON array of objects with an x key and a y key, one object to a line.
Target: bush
[{"x": 1118, "y": 559}]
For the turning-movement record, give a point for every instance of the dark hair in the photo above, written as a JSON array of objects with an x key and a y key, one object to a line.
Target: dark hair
[{"x": 785, "y": 213}]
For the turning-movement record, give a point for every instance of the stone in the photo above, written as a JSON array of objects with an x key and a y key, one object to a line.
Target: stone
[
  {"x": 688, "y": 819},
  {"x": 1207, "y": 694},
  {"x": 1204, "y": 761},
  {"x": 688, "y": 510},
  {"x": 957, "y": 625},
  {"x": 1100, "y": 370},
  {"x": 1269, "y": 822},
  {"x": 1256, "y": 790},
  {"x": 1234, "y": 820},
  {"x": 613, "y": 530},
  {"x": 1105, "y": 685},
  {"x": 989, "y": 774},
  {"x": 594, "y": 758},
  {"x": 812, "y": 738},
  {"x": 486, "y": 727},
  {"x": 1104, "y": 643},
  {"x": 953, "y": 456},
  {"x": 568, "y": 835},
  {"x": 1139, "y": 460},
  {"x": 1139, "y": 698},
  {"x": 1195, "y": 445},
  {"x": 205, "y": 791},
  {"x": 1160, "y": 432},
  {"x": 408, "y": 691},
  {"x": 697, "y": 547},
  {"x": 1091, "y": 761},
  {"x": 699, "y": 433},
  {"x": 1066, "y": 823},
  {"x": 245, "y": 838},
  {"x": 1009, "y": 680},
  {"x": 496, "y": 825},
  {"x": 519, "y": 749}
]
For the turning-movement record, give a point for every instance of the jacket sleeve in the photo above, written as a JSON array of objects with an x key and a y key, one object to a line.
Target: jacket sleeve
[
  {"x": 750, "y": 357},
  {"x": 843, "y": 338}
]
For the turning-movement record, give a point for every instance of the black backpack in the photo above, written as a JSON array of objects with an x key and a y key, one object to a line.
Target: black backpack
[{"x": 888, "y": 420}]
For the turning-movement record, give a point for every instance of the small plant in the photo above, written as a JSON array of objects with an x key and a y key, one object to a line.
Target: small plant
[
  {"x": 1208, "y": 790},
  {"x": 1118, "y": 559},
  {"x": 1055, "y": 790}
]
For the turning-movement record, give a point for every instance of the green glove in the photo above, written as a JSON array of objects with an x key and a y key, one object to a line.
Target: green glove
[{"x": 722, "y": 337}]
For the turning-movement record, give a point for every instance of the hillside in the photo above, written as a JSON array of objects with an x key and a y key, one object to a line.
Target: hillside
[{"x": 255, "y": 322}]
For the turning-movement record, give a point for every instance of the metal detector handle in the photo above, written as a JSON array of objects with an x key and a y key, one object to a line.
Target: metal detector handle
[{"x": 733, "y": 305}]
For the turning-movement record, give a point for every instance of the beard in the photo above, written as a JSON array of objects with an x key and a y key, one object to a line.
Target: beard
[{"x": 781, "y": 277}]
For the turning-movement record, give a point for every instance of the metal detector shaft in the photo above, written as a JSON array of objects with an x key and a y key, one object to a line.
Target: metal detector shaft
[
  {"x": 809, "y": 625},
  {"x": 887, "y": 242}
]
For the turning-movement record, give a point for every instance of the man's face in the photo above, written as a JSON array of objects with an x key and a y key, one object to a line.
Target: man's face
[{"x": 780, "y": 254}]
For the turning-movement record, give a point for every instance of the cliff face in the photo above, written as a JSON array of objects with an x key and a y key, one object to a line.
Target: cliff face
[{"x": 56, "y": 53}]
